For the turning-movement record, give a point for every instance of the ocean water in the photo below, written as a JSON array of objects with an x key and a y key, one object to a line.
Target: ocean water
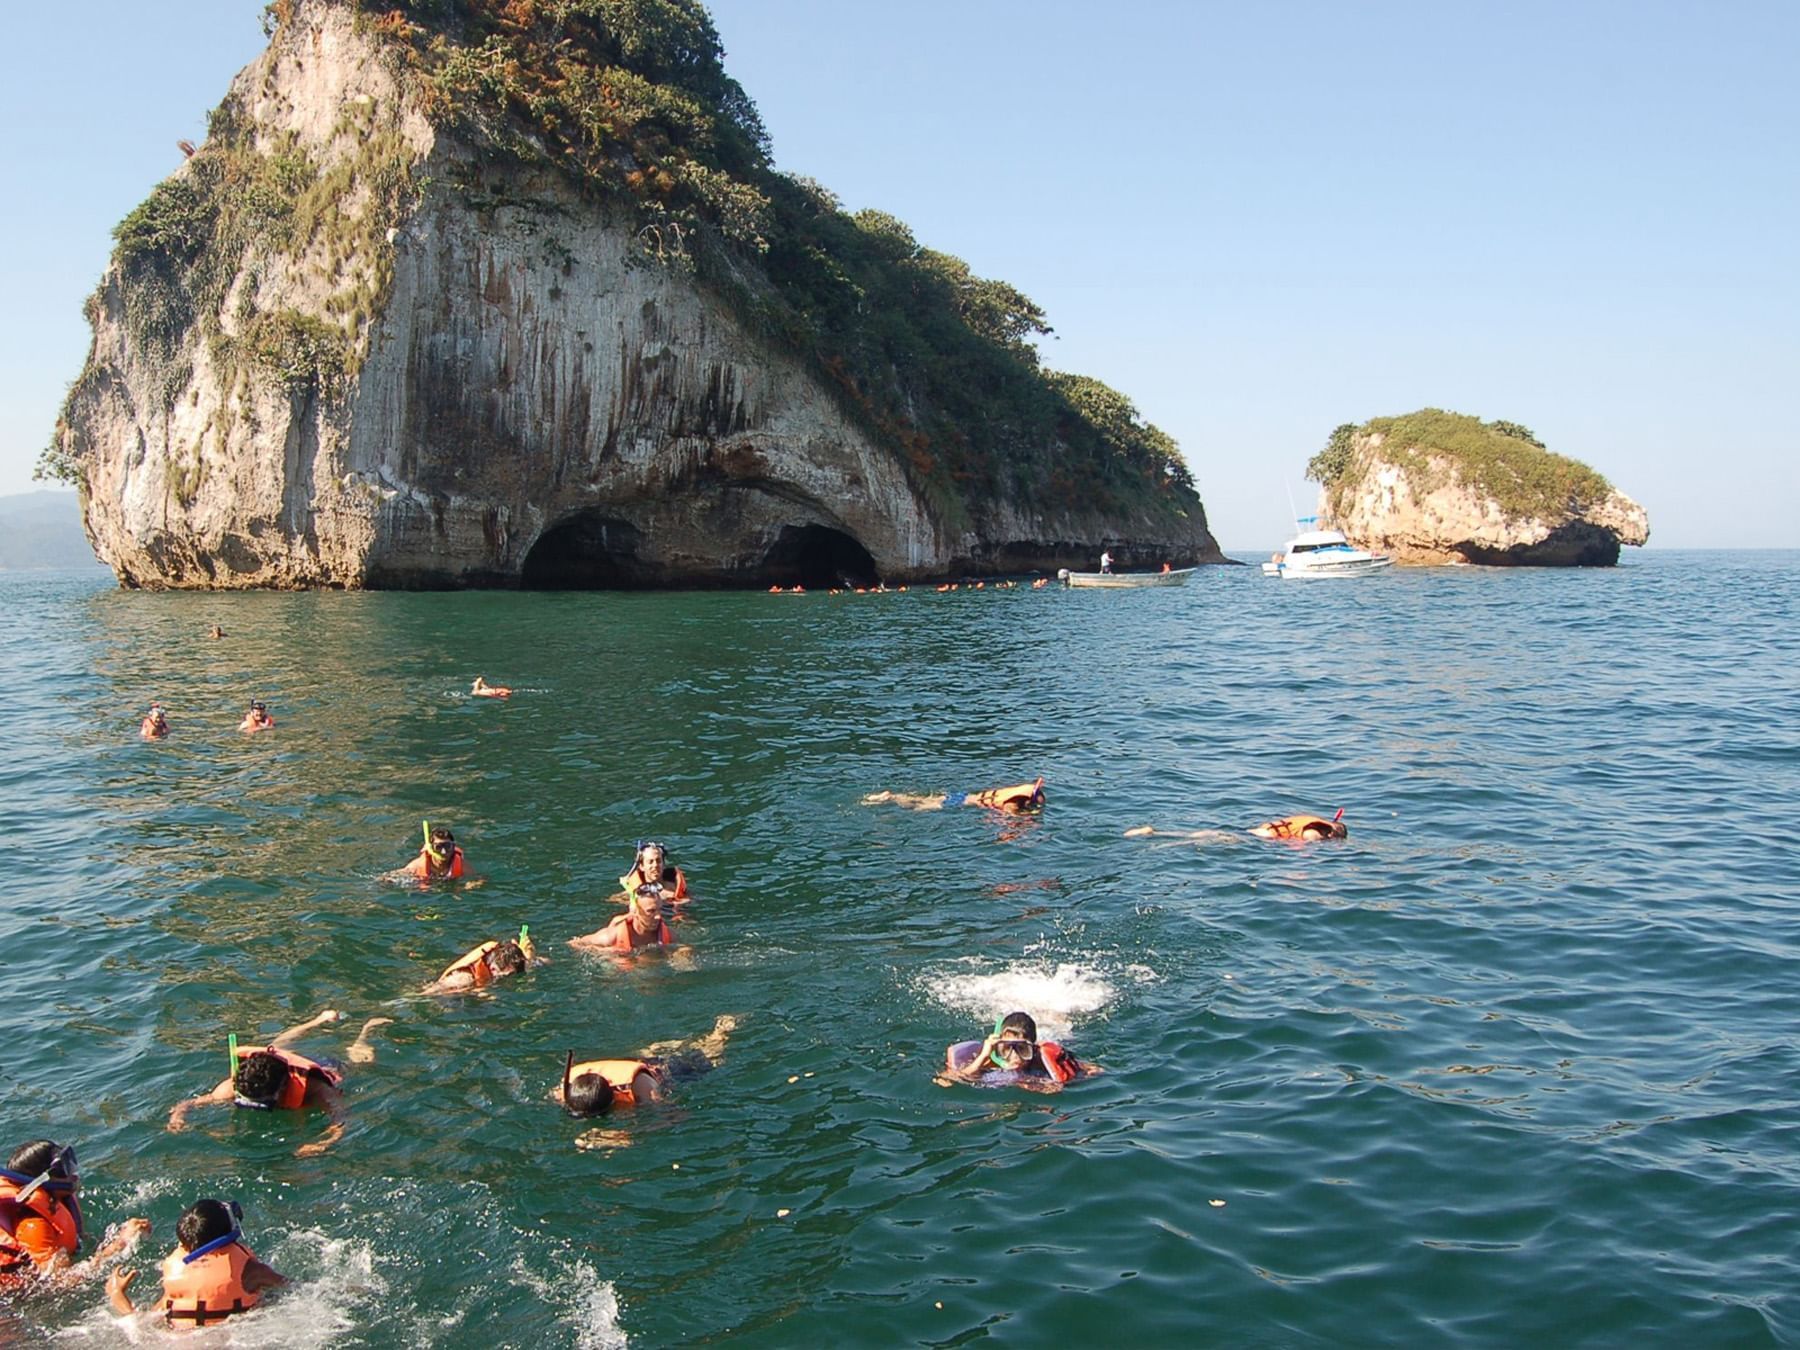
[{"x": 1514, "y": 1064}]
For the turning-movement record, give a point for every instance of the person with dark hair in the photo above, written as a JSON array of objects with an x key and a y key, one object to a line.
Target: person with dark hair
[
  {"x": 651, "y": 867},
  {"x": 210, "y": 1275},
  {"x": 482, "y": 965},
  {"x": 638, "y": 927},
  {"x": 439, "y": 860},
  {"x": 1013, "y": 1055},
  {"x": 1021, "y": 799},
  {"x": 257, "y": 717},
  {"x": 595, "y": 1086},
  {"x": 274, "y": 1078},
  {"x": 40, "y": 1218}
]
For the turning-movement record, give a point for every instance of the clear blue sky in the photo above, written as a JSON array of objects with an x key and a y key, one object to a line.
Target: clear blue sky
[{"x": 1257, "y": 221}]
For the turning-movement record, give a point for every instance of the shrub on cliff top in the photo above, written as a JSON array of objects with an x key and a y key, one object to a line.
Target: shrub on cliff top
[{"x": 1502, "y": 460}]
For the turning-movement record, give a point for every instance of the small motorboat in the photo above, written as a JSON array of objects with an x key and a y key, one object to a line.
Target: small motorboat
[
  {"x": 1119, "y": 581},
  {"x": 1324, "y": 553}
]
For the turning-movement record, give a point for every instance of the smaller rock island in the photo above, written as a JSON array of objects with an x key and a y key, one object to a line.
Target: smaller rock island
[{"x": 1442, "y": 487}]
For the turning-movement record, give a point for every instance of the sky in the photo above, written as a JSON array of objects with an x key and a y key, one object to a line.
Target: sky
[{"x": 1255, "y": 221}]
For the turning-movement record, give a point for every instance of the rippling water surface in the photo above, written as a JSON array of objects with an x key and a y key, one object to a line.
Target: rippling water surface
[{"x": 1515, "y": 1064}]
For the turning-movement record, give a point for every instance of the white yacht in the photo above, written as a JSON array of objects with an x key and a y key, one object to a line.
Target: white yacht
[{"x": 1324, "y": 553}]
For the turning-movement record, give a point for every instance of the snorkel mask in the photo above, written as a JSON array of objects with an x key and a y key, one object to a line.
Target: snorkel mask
[
  {"x": 235, "y": 1235},
  {"x": 448, "y": 850},
  {"x": 1000, "y": 1030}
]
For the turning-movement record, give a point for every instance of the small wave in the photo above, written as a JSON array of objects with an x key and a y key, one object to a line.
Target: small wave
[
  {"x": 585, "y": 1303},
  {"x": 1056, "y": 995}
]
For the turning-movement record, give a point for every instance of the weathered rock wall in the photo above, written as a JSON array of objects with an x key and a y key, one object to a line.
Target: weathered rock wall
[
  {"x": 523, "y": 381},
  {"x": 1446, "y": 521}
]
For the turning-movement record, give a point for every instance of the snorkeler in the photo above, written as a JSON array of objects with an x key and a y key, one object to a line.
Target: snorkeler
[
  {"x": 1297, "y": 828},
  {"x": 209, "y": 1276},
  {"x": 1013, "y": 1054},
  {"x": 482, "y": 965},
  {"x": 597, "y": 1085},
  {"x": 40, "y": 1219},
  {"x": 640, "y": 926},
  {"x": 652, "y": 867},
  {"x": 482, "y": 689},
  {"x": 439, "y": 857},
  {"x": 273, "y": 1078},
  {"x": 215, "y": 632},
  {"x": 155, "y": 724},
  {"x": 257, "y": 718},
  {"x": 1021, "y": 799}
]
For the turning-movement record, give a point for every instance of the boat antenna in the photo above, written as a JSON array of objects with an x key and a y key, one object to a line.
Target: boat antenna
[{"x": 1293, "y": 511}]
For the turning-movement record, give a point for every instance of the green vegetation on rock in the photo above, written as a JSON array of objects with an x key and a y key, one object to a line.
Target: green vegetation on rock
[
  {"x": 630, "y": 102},
  {"x": 1501, "y": 460}
]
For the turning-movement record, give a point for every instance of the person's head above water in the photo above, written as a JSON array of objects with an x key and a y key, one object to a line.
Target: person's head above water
[
  {"x": 647, "y": 902},
  {"x": 440, "y": 843},
  {"x": 42, "y": 1156},
  {"x": 1016, "y": 1040},
  {"x": 258, "y": 706},
  {"x": 651, "y": 857},
  {"x": 260, "y": 1078},
  {"x": 1325, "y": 829},
  {"x": 507, "y": 958},
  {"x": 207, "y": 1221},
  {"x": 586, "y": 1094}
]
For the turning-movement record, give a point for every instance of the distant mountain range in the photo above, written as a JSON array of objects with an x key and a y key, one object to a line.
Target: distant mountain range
[{"x": 41, "y": 530}]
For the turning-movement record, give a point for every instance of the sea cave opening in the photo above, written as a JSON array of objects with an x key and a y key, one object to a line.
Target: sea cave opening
[
  {"x": 816, "y": 557},
  {"x": 586, "y": 552}
]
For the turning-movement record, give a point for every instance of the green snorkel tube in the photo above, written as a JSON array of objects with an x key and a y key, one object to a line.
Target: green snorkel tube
[
  {"x": 525, "y": 945},
  {"x": 994, "y": 1054},
  {"x": 231, "y": 1056}
]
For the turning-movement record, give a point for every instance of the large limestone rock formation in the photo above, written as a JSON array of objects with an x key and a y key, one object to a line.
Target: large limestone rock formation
[
  {"x": 1441, "y": 488},
  {"x": 456, "y": 369}
]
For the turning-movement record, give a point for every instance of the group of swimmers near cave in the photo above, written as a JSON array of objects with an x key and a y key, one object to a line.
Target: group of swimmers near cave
[{"x": 212, "y": 1274}]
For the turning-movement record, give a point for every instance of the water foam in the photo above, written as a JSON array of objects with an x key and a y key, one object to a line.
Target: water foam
[
  {"x": 585, "y": 1303},
  {"x": 1056, "y": 995}
]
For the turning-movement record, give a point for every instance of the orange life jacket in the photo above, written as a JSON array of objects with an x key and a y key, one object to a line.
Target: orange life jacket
[
  {"x": 475, "y": 962},
  {"x": 630, "y": 882},
  {"x": 621, "y": 1073},
  {"x": 997, "y": 798},
  {"x": 421, "y": 865},
  {"x": 621, "y": 935},
  {"x": 300, "y": 1070},
  {"x": 209, "y": 1287},
  {"x": 1293, "y": 827},
  {"x": 63, "y": 1218}
]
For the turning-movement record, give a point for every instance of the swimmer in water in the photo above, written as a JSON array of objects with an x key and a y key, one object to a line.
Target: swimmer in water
[
  {"x": 155, "y": 724},
  {"x": 640, "y": 926},
  {"x": 274, "y": 1078},
  {"x": 1013, "y": 1048},
  {"x": 216, "y": 632},
  {"x": 257, "y": 718},
  {"x": 41, "y": 1225},
  {"x": 210, "y": 1276},
  {"x": 439, "y": 858},
  {"x": 594, "y": 1086},
  {"x": 652, "y": 867},
  {"x": 1021, "y": 799},
  {"x": 488, "y": 963},
  {"x": 482, "y": 689},
  {"x": 1300, "y": 829}
]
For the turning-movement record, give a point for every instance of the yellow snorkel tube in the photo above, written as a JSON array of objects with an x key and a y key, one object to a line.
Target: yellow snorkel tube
[{"x": 525, "y": 942}]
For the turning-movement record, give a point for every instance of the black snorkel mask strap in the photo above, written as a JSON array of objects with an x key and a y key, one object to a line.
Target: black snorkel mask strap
[{"x": 62, "y": 1187}]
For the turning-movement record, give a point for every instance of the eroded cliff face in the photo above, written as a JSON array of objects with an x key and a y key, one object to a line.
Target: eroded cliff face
[
  {"x": 472, "y": 380},
  {"x": 1426, "y": 514}
]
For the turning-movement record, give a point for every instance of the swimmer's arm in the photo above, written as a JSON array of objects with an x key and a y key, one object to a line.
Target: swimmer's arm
[
  {"x": 360, "y": 1051},
  {"x": 976, "y": 1066},
  {"x": 219, "y": 1096},
  {"x": 453, "y": 983},
  {"x": 333, "y": 1133},
  {"x": 594, "y": 941},
  {"x": 117, "y": 1286},
  {"x": 917, "y": 801},
  {"x": 294, "y": 1033},
  {"x": 258, "y": 1276},
  {"x": 122, "y": 1241}
]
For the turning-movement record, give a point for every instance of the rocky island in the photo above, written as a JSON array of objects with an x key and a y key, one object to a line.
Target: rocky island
[
  {"x": 1439, "y": 487},
  {"x": 472, "y": 293}
]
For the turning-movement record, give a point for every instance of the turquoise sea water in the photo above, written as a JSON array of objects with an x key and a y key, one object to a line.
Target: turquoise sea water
[{"x": 1515, "y": 1064}]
